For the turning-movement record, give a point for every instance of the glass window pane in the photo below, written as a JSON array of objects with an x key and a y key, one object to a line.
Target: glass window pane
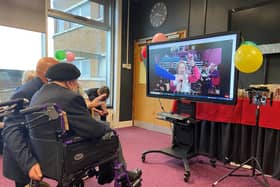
[
  {"x": 88, "y": 9},
  {"x": 20, "y": 50},
  {"x": 60, "y": 26},
  {"x": 90, "y": 47},
  {"x": 85, "y": 11}
]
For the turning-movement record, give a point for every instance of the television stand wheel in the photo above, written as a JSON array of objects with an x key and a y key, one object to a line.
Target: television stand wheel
[
  {"x": 213, "y": 162},
  {"x": 143, "y": 158},
  {"x": 187, "y": 176}
]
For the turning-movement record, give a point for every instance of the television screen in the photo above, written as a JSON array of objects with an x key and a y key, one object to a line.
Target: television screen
[{"x": 199, "y": 69}]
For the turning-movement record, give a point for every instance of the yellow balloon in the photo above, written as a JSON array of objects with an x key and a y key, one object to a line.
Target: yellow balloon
[{"x": 248, "y": 58}]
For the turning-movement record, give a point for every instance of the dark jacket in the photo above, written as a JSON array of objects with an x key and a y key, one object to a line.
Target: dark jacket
[
  {"x": 17, "y": 156},
  {"x": 92, "y": 93},
  {"x": 80, "y": 120}
]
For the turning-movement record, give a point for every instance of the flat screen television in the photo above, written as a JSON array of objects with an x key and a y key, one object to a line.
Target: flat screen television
[{"x": 197, "y": 69}]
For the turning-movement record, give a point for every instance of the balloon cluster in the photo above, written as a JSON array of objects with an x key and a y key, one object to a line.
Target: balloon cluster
[
  {"x": 248, "y": 58},
  {"x": 159, "y": 37},
  {"x": 61, "y": 55}
]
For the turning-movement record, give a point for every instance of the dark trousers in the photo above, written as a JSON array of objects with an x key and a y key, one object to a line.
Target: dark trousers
[
  {"x": 18, "y": 184},
  {"x": 103, "y": 118}
]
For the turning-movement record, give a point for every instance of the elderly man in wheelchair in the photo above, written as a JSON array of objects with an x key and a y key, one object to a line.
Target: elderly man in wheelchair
[{"x": 67, "y": 142}]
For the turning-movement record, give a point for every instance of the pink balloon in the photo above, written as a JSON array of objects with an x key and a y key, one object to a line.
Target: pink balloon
[
  {"x": 159, "y": 37},
  {"x": 70, "y": 57}
]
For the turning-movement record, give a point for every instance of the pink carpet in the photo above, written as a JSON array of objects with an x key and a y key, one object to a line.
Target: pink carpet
[{"x": 163, "y": 171}]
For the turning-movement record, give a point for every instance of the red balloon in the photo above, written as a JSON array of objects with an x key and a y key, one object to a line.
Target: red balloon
[
  {"x": 70, "y": 57},
  {"x": 144, "y": 52},
  {"x": 159, "y": 37}
]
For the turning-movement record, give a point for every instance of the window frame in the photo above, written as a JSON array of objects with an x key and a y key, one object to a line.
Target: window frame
[{"x": 107, "y": 25}]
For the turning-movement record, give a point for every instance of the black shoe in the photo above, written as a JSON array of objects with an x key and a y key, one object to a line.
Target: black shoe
[
  {"x": 134, "y": 174},
  {"x": 38, "y": 184},
  {"x": 106, "y": 173}
]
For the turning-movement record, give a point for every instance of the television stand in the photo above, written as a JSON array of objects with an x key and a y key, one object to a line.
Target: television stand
[{"x": 182, "y": 141}]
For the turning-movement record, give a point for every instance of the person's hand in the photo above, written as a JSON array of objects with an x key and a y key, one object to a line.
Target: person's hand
[
  {"x": 98, "y": 100},
  {"x": 101, "y": 97},
  {"x": 104, "y": 113},
  {"x": 1, "y": 125},
  {"x": 100, "y": 112},
  {"x": 35, "y": 172}
]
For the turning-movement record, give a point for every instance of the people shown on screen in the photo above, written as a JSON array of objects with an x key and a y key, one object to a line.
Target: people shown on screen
[
  {"x": 193, "y": 73},
  {"x": 181, "y": 82},
  {"x": 205, "y": 79},
  {"x": 162, "y": 86},
  {"x": 214, "y": 75}
]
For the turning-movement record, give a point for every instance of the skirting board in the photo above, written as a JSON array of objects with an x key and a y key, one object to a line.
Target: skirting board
[
  {"x": 121, "y": 124},
  {"x": 153, "y": 127}
]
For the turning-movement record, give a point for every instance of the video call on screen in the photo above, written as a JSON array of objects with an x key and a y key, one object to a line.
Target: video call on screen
[{"x": 201, "y": 68}]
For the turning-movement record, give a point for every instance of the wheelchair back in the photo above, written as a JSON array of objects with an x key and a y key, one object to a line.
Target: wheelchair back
[{"x": 64, "y": 156}]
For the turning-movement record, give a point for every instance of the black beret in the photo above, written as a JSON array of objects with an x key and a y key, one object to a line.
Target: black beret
[{"x": 63, "y": 72}]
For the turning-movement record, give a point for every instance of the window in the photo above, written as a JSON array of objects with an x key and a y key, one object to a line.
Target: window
[
  {"x": 84, "y": 29},
  {"x": 20, "y": 50},
  {"x": 79, "y": 26},
  {"x": 85, "y": 9},
  {"x": 85, "y": 67},
  {"x": 98, "y": 13}
]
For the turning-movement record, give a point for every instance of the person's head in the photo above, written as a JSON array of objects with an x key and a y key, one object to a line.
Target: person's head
[
  {"x": 104, "y": 90},
  {"x": 181, "y": 67},
  {"x": 64, "y": 74},
  {"x": 43, "y": 65},
  {"x": 204, "y": 66},
  {"x": 27, "y": 76},
  {"x": 162, "y": 87},
  {"x": 212, "y": 67},
  {"x": 187, "y": 48},
  {"x": 190, "y": 59}
]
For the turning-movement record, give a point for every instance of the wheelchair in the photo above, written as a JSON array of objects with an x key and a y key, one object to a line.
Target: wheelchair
[{"x": 66, "y": 158}]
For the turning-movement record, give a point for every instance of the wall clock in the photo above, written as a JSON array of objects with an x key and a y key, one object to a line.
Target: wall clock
[{"x": 158, "y": 14}]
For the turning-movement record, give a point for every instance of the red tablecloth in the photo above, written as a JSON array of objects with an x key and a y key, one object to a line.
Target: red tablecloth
[{"x": 241, "y": 113}]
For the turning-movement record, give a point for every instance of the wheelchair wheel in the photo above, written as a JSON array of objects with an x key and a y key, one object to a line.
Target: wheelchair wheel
[
  {"x": 187, "y": 176},
  {"x": 136, "y": 183},
  {"x": 143, "y": 158},
  {"x": 213, "y": 163},
  {"x": 122, "y": 183}
]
